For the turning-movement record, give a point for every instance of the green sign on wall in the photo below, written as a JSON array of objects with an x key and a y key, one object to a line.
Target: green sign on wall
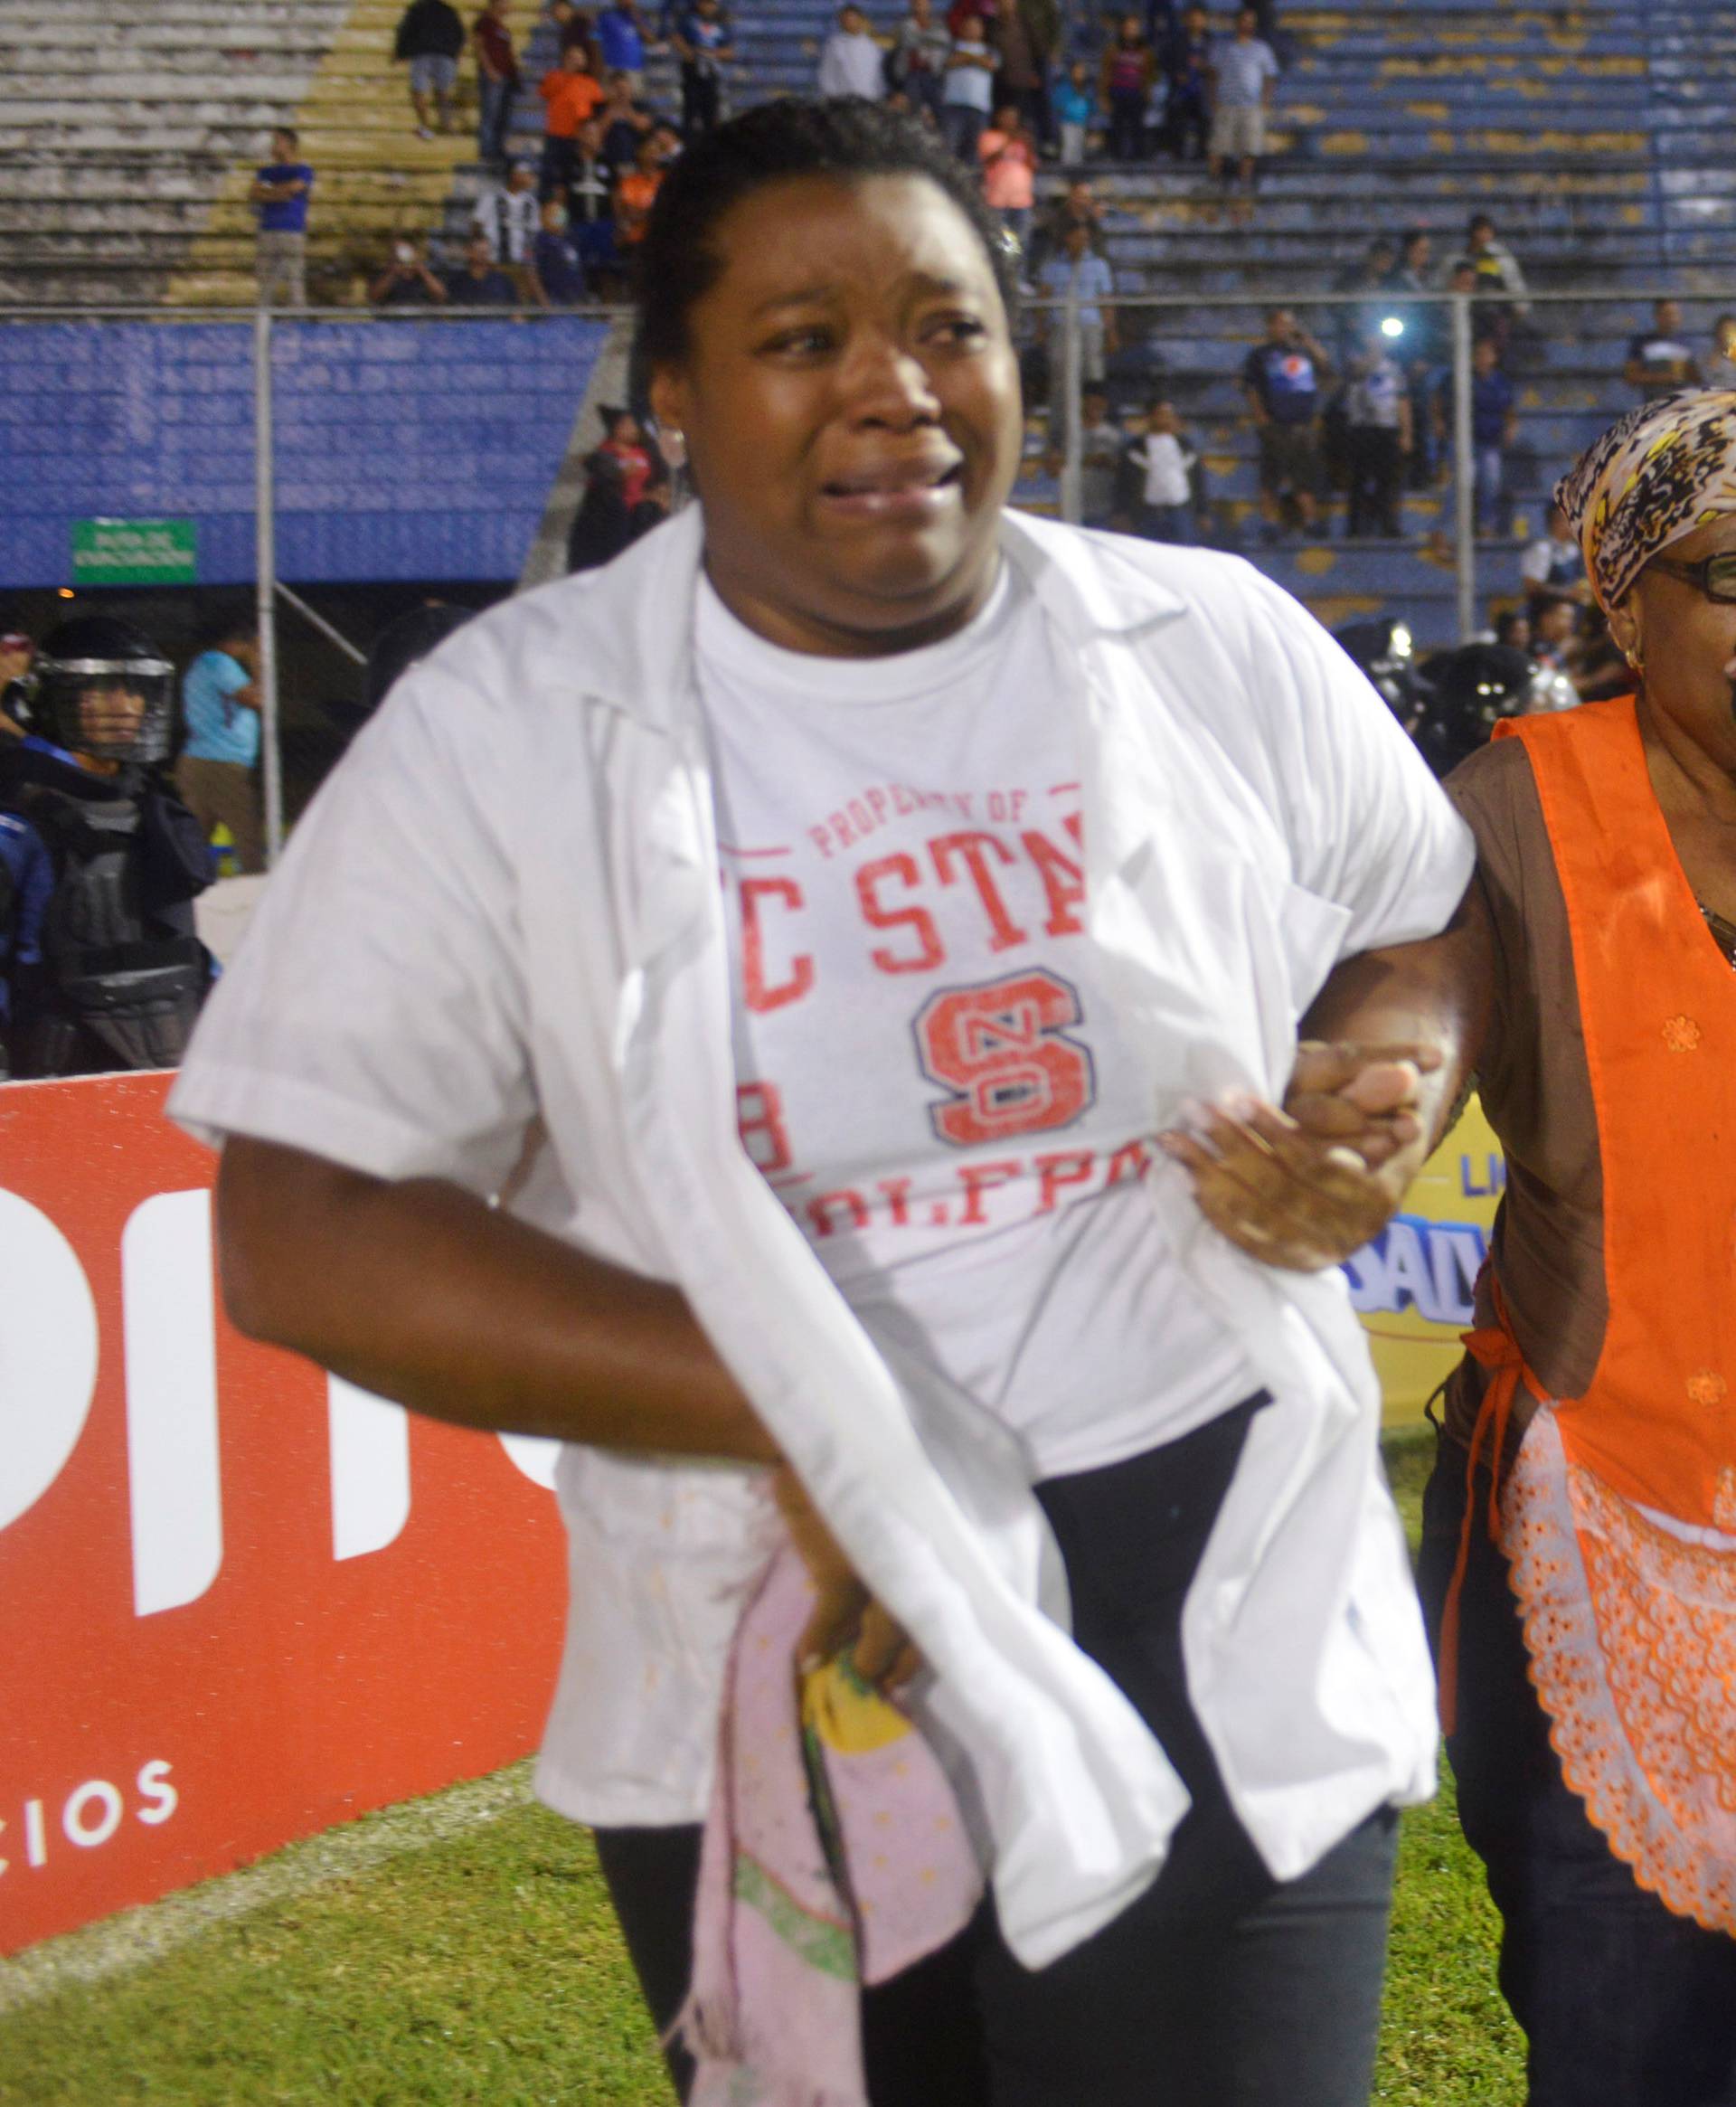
[{"x": 134, "y": 552}]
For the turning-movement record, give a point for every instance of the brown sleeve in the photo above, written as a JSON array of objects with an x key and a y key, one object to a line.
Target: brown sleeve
[{"x": 1534, "y": 1079}]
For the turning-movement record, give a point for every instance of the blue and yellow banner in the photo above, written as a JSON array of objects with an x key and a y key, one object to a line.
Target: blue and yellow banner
[{"x": 1412, "y": 1285}]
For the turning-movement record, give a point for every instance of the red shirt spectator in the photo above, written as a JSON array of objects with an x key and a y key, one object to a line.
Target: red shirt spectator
[{"x": 495, "y": 42}]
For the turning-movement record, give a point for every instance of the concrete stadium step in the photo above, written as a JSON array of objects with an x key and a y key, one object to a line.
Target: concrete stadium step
[
  {"x": 1313, "y": 249},
  {"x": 98, "y": 19}
]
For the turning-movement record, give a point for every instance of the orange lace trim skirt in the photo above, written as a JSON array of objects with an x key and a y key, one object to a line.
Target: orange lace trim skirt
[{"x": 1631, "y": 1630}]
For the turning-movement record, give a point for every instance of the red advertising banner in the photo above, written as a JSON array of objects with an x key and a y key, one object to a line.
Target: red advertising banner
[{"x": 239, "y": 1601}]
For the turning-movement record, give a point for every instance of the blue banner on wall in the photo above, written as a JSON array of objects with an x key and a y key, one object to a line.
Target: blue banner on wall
[{"x": 404, "y": 449}]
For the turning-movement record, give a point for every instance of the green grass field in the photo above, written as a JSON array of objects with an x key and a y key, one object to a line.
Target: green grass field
[{"x": 484, "y": 1967}]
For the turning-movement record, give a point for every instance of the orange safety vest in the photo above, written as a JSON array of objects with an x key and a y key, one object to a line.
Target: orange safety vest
[{"x": 1619, "y": 1514}]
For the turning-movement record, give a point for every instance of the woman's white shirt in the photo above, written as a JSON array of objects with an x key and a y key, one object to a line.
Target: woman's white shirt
[
  {"x": 931, "y": 1074},
  {"x": 503, "y": 907}
]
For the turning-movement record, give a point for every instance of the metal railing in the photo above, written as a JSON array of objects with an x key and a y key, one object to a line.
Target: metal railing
[{"x": 1195, "y": 347}]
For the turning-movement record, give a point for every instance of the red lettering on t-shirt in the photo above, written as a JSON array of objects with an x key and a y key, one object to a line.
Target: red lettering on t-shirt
[
  {"x": 897, "y": 1192},
  {"x": 824, "y": 1205},
  {"x": 930, "y": 951},
  {"x": 760, "y": 996},
  {"x": 760, "y": 1121},
  {"x": 1069, "y": 1166},
  {"x": 1064, "y": 880},
  {"x": 1131, "y": 1162},
  {"x": 973, "y": 849},
  {"x": 979, "y": 1178}
]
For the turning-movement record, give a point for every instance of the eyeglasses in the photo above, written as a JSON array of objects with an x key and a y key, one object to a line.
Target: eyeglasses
[{"x": 1715, "y": 576}]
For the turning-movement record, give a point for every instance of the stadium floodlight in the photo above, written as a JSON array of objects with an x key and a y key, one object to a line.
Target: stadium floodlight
[{"x": 1393, "y": 326}]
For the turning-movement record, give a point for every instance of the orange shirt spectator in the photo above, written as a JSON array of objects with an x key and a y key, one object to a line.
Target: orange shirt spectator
[
  {"x": 633, "y": 196},
  {"x": 571, "y": 93}
]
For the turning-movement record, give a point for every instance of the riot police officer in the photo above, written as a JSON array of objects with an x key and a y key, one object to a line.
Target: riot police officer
[{"x": 100, "y": 967}]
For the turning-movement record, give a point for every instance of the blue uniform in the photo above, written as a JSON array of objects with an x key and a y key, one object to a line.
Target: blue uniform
[{"x": 26, "y": 887}]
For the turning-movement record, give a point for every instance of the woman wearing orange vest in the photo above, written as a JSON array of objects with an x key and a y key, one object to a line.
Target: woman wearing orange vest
[
  {"x": 1580, "y": 1530},
  {"x": 1588, "y": 1606}
]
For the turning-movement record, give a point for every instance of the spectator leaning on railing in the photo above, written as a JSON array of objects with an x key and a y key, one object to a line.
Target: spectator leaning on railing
[
  {"x": 280, "y": 195},
  {"x": 1660, "y": 359},
  {"x": 407, "y": 281},
  {"x": 431, "y": 37},
  {"x": 480, "y": 282},
  {"x": 557, "y": 267}
]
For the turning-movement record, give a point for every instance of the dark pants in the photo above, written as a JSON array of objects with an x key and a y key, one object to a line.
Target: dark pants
[
  {"x": 1376, "y": 473},
  {"x": 1167, "y": 523},
  {"x": 700, "y": 96},
  {"x": 964, "y": 127},
  {"x": 493, "y": 118},
  {"x": 1219, "y": 1988},
  {"x": 560, "y": 163},
  {"x": 1127, "y": 140},
  {"x": 1623, "y": 2004},
  {"x": 1187, "y": 124}
]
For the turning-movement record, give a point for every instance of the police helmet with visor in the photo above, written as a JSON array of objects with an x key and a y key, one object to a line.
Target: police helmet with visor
[{"x": 101, "y": 688}]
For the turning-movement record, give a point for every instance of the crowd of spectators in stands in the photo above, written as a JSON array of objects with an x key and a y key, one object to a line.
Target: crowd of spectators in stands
[
  {"x": 1011, "y": 85},
  {"x": 1084, "y": 88}
]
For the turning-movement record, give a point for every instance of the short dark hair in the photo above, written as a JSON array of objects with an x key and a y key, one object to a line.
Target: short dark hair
[
  {"x": 1480, "y": 220},
  {"x": 230, "y": 621},
  {"x": 847, "y": 137},
  {"x": 286, "y": 132}
]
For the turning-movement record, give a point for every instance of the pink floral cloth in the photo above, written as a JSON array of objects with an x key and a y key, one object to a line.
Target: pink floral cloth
[{"x": 834, "y": 1855}]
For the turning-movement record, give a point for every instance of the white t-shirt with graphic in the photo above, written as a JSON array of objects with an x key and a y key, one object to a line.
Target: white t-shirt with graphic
[{"x": 930, "y": 1074}]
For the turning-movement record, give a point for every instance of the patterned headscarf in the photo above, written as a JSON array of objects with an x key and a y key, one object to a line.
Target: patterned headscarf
[{"x": 1657, "y": 474}]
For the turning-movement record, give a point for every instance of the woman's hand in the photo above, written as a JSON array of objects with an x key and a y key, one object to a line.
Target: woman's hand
[
  {"x": 845, "y": 1615},
  {"x": 1306, "y": 1187}
]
